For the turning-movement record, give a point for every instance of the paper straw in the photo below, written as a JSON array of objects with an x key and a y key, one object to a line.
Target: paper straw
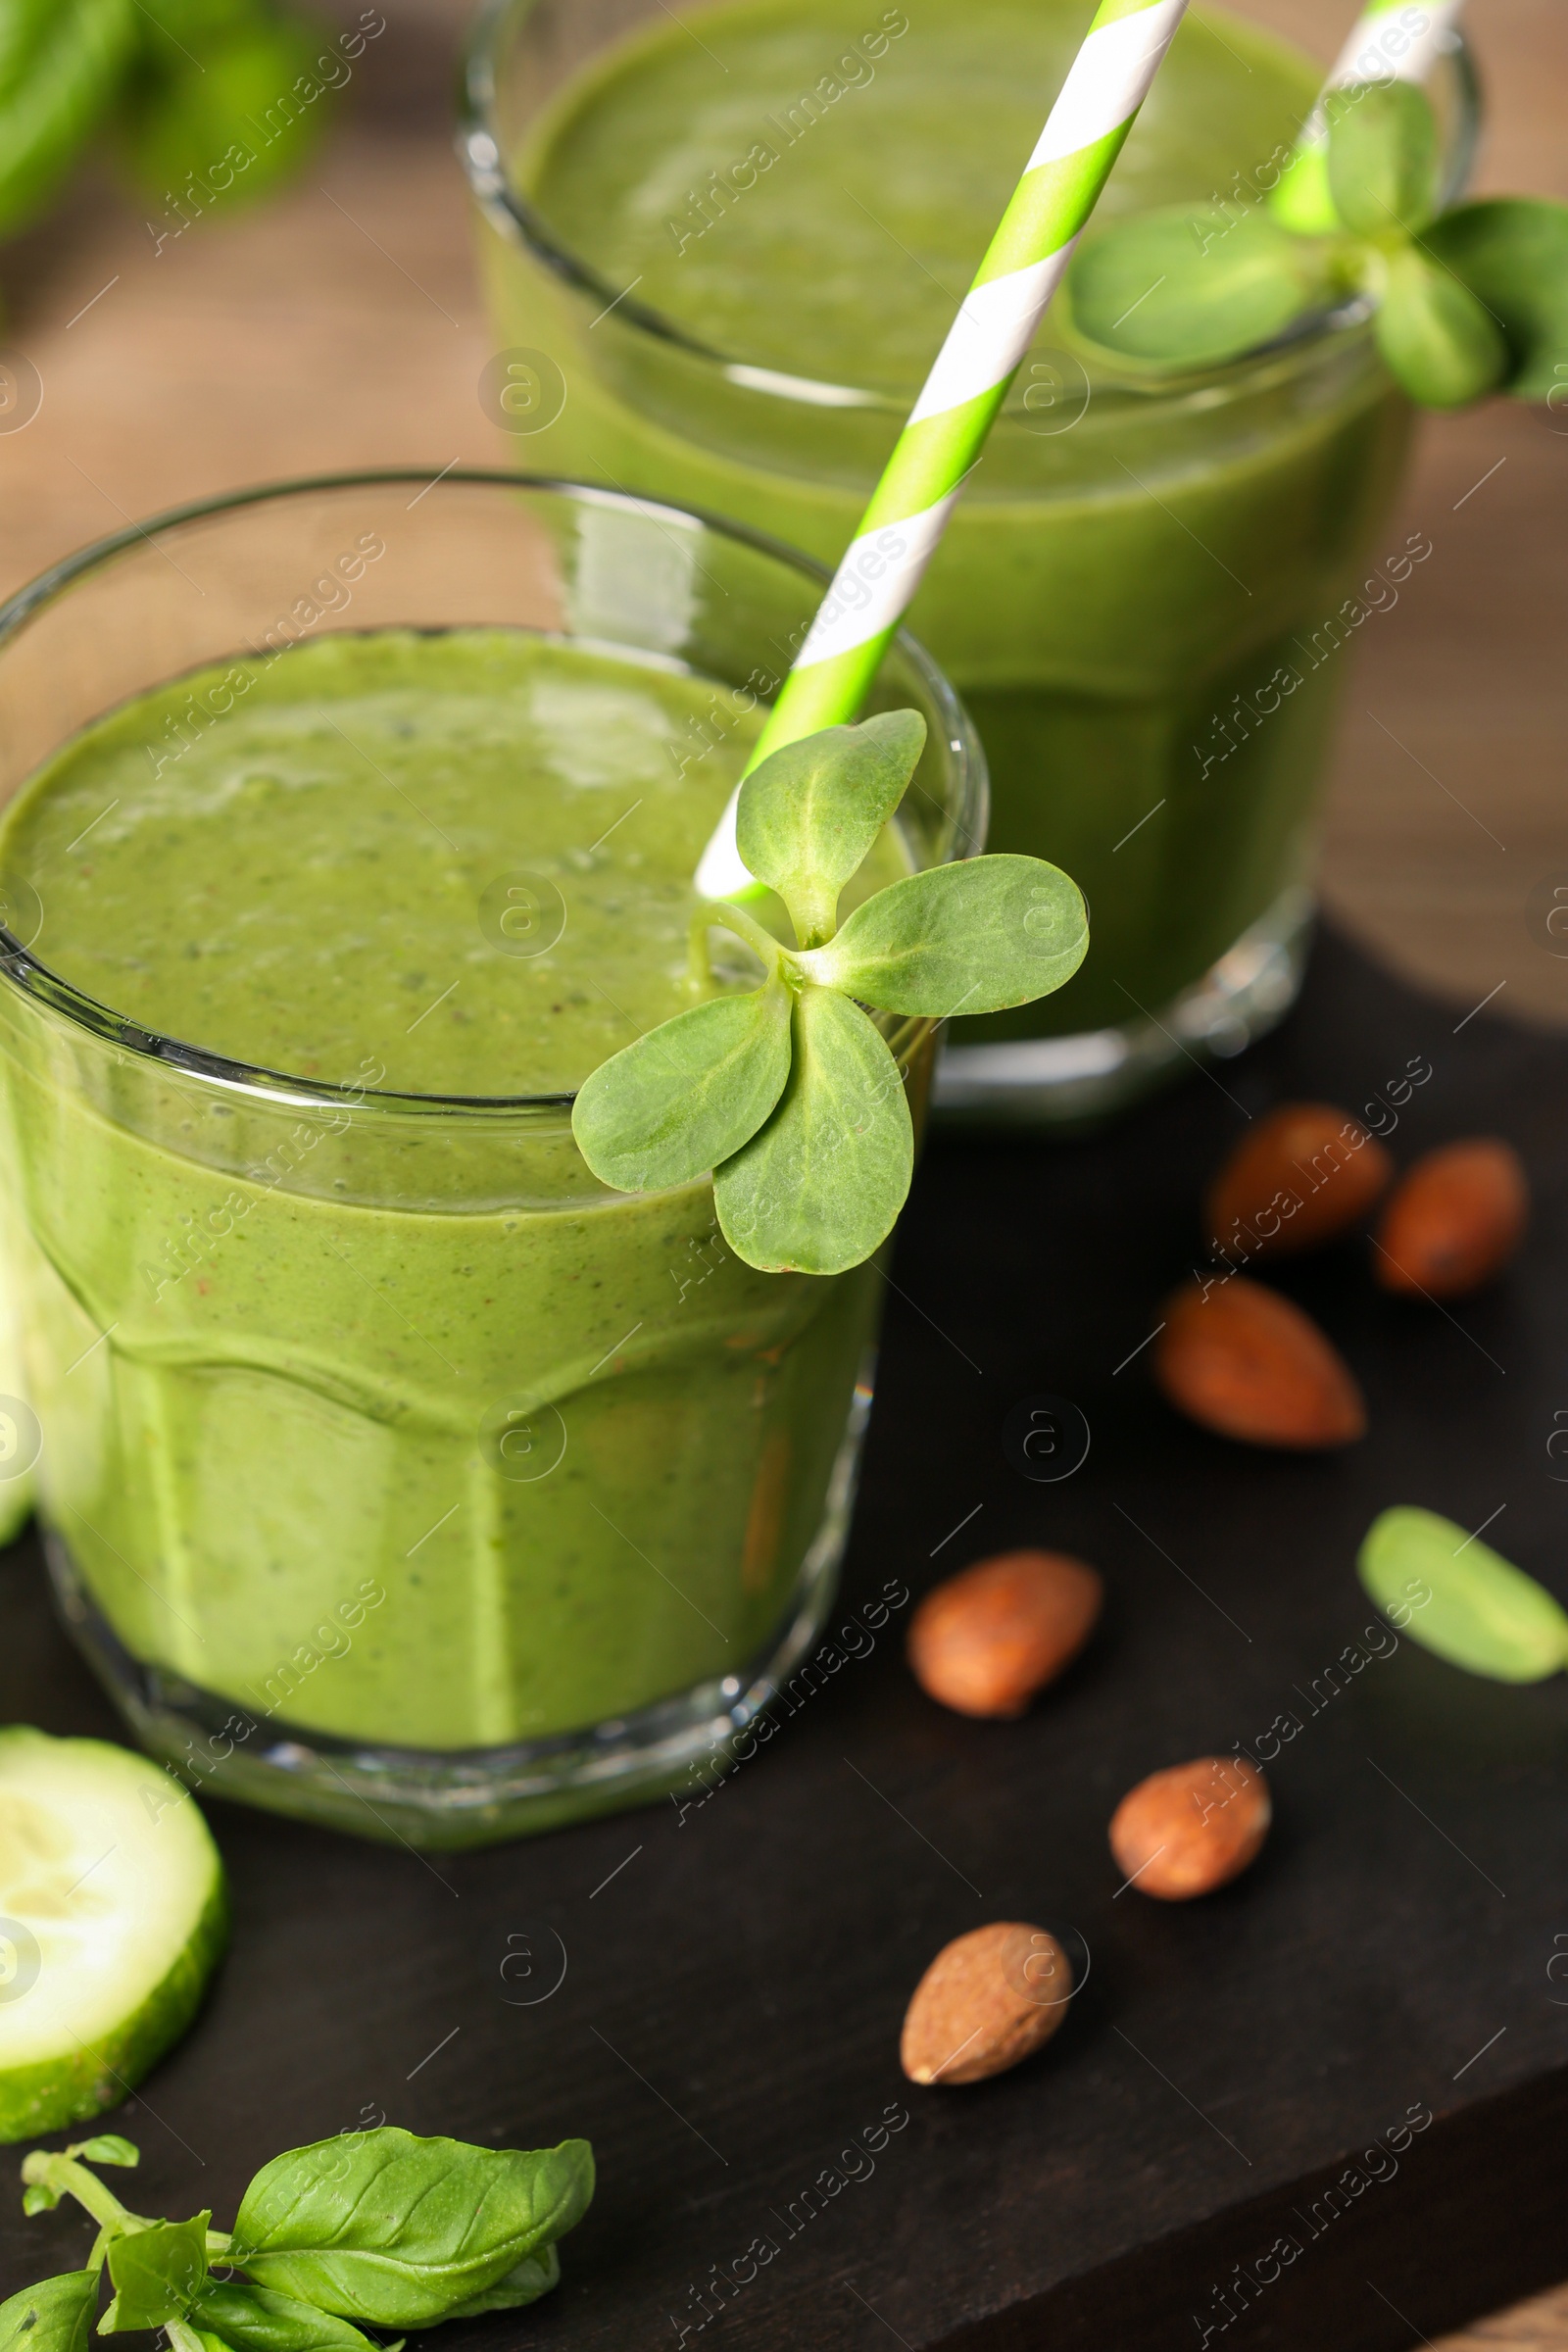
[
  {"x": 1392, "y": 40},
  {"x": 1027, "y": 259}
]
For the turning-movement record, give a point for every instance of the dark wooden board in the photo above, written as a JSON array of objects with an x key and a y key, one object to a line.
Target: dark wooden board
[{"x": 734, "y": 1982}]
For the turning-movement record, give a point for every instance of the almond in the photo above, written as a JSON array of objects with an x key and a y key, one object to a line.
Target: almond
[
  {"x": 1246, "y": 1363},
  {"x": 1297, "y": 1178},
  {"x": 1455, "y": 1220},
  {"x": 991, "y": 1637},
  {"x": 1187, "y": 1831},
  {"x": 988, "y": 1999}
]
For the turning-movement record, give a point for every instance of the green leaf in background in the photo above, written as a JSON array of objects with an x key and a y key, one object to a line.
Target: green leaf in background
[
  {"x": 106, "y": 2147},
  {"x": 974, "y": 938},
  {"x": 257, "y": 2319},
  {"x": 1170, "y": 289},
  {"x": 1437, "y": 339},
  {"x": 532, "y": 2278},
  {"x": 810, "y": 814},
  {"x": 683, "y": 1098},
  {"x": 54, "y": 2316},
  {"x": 821, "y": 1185},
  {"x": 157, "y": 2274},
  {"x": 61, "y": 63},
  {"x": 1482, "y": 1612},
  {"x": 398, "y": 2230},
  {"x": 1383, "y": 159},
  {"x": 234, "y": 111},
  {"x": 1512, "y": 252}
]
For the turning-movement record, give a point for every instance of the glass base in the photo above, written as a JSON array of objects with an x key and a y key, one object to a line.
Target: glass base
[
  {"x": 464, "y": 1796},
  {"x": 1073, "y": 1081}
]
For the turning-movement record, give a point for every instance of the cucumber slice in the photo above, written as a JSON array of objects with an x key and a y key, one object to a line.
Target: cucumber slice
[{"x": 112, "y": 1916}]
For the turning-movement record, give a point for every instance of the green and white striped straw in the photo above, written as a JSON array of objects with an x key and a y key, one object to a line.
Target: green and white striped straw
[
  {"x": 882, "y": 567},
  {"x": 1392, "y": 40}
]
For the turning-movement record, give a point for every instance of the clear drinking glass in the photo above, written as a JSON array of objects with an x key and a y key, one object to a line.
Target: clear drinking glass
[
  {"x": 394, "y": 1472},
  {"x": 1141, "y": 597}
]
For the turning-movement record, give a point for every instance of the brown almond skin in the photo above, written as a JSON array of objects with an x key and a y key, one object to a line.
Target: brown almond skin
[
  {"x": 1183, "y": 1832},
  {"x": 1250, "y": 1366},
  {"x": 1455, "y": 1220},
  {"x": 989, "y": 1637},
  {"x": 988, "y": 1999},
  {"x": 1297, "y": 1178}
]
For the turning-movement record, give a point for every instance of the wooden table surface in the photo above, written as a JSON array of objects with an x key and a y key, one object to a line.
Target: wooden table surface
[{"x": 340, "y": 325}]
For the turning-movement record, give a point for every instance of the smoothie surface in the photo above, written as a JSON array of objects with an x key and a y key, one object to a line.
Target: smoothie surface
[
  {"x": 317, "y": 877},
  {"x": 808, "y": 187}
]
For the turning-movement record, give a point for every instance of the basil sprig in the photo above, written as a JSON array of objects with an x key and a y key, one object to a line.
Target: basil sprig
[
  {"x": 789, "y": 1092},
  {"x": 1466, "y": 301},
  {"x": 381, "y": 2227}
]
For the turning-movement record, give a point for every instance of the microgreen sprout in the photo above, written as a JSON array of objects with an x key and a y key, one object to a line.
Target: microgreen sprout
[
  {"x": 789, "y": 1092},
  {"x": 1465, "y": 302}
]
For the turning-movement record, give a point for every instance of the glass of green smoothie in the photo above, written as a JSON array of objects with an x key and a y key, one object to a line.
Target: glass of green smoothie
[
  {"x": 723, "y": 246},
  {"x": 394, "y": 1471}
]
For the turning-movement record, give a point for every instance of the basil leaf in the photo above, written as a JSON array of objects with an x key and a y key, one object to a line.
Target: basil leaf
[
  {"x": 820, "y": 1187},
  {"x": 1171, "y": 289},
  {"x": 971, "y": 938},
  {"x": 1383, "y": 158},
  {"x": 808, "y": 814},
  {"x": 1437, "y": 340},
  {"x": 1458, "y": 1598},
  {"x": 257, "y": 2319},
  {"x": 1512, "y": 252},
  {"x": 532, "y": 2278},
  {"x": 397, "y": 2230},
  {"x": 54, "y": 2316},
  {"x": 107, "y": 2147},
  {"x": 157, "y": 2274},
  {"x": 683, "y": 1098}
]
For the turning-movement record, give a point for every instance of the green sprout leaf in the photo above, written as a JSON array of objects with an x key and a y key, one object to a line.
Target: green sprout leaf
[
  {"x": 257, "y": 2319},
  {"x": 972, "y": 938},
  {"x": 1171, "y": 289},
  {"x": 1512, "y": 254},
  {"x": 54, "y": 2316},
  {"x": 820, "y": 1187},
  {"x": 789, "y": 1094},
  {"x": 810, "y": 814},
  {"x": 683, "y": 1098},
  {"x": 1383, "y": 159},
  {"x": 106, "y": 2147},
  {"x": 1438, "y": 340},
  {"x": 1458, "y": 1598},
  {"x": 397, "y": 2230},
  {"x": 1466, "y": 301},
  {"x": 157, "y": 2274}
]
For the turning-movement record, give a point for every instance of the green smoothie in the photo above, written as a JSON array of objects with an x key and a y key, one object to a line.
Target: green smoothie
[
  {"x": 392, "y": 1423},
  {"x": 801, "y": 189}
]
